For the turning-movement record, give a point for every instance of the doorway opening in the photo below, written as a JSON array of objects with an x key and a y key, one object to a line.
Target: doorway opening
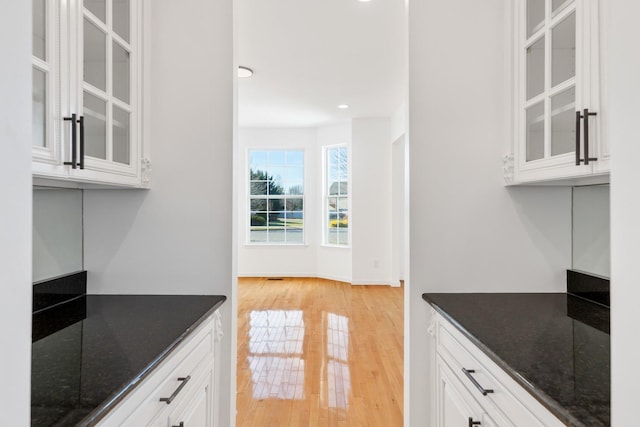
[{"x": 321, "y": 206}]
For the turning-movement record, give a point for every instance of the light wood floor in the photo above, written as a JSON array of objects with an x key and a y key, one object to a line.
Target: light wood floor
[{"x": 315, "y": 352}]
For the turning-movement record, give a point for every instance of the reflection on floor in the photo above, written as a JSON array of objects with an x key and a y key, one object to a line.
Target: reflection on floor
[
  {"x": 275, "y": 354},
  {"x": 315, "y": 352}
]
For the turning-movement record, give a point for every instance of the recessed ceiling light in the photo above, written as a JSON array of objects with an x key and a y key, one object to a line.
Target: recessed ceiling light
[
  {"x": 343, "y": 106},
  {"x": 244, "y": 72}
]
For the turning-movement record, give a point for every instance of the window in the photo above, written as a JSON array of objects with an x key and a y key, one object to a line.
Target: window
[
  {"x": 337, "y": 196},
  {"x": 276, "y": 196}
]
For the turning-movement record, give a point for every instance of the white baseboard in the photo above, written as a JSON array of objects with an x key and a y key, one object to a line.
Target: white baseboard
[
  {"x": 277, "y": 275},
  {"x": 334, "y": 278},
  {"x": 394, "y": 284},
  {"x": 374, "y": 283},
  {"x": 298, "y": 275}
]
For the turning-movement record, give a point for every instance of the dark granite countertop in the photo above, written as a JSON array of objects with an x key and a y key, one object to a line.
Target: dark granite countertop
[
  {"x": 556, "y": 346},
  {"x": 88, "y": 353}
]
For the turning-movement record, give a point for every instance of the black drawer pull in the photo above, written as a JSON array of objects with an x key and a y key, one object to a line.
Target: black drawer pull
[
  {"x": 471, "y": 423},
  {"x": 482, "y": 390},
  {"x": 169, "y": 399}
]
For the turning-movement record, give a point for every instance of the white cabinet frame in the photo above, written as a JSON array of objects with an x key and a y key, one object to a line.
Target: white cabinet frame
[
  {"x": 555, "y": 169},
  {"x": 66, "y": 86}
]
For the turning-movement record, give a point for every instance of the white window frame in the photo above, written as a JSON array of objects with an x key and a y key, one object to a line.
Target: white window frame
[
  {"x": 283, "y": 197},
  {"x": 326, "y": 196}
]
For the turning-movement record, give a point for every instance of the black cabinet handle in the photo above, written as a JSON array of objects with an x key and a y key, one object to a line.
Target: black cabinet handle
[
  {"x": 471, "y": 422},
  {"x": 169, "y": 399},
  {"x": 81, "y": 121},
  {"x": 482, "y": 390},
  {"x": 578, "y": 117},
  {"x": 587, "y": 159},
  {"x": 74, "y": 140}
]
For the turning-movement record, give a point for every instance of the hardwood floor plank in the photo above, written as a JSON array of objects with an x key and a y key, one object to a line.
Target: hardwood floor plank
[{"x": 315, "y": 352}]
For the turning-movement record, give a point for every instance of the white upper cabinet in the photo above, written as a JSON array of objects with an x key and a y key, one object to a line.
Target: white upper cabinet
[
  {"x": 557, "y": 131},
  {"x": 45, "y": 148},
  {"x": 87, "y": 90}
]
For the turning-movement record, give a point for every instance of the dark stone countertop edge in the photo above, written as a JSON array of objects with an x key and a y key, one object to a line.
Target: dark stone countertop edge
[
  {"x": 548, "y": 402},
  {"x": 112, "y": 401}
]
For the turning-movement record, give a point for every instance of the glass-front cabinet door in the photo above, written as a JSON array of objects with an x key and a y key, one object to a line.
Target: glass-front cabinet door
[
  {"x": 86, "y": 90},
  {"x": 45, "y": 144},
  {"x": 106, "y": 93},
  {"x": 556, "y": 79}
]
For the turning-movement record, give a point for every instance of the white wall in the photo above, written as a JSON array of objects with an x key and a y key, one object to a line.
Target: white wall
[
  {"x": 368, "y": 259},
  {"x": 15, "y": 215},
  {"x": 399, "y": 123},
  {"x": 468, "y": 232},
  {"x": 623, "y": 69},
  {"x": 371, "y": 201},
  {"x": 177, "y": 237},
  {"x": 334, "y": 262},
  {"x": 279, "y": 260},
  {"x": 397, "y": 210},
  {"x": 400, "y": 187},
  {"x": 313, "y": 259}
]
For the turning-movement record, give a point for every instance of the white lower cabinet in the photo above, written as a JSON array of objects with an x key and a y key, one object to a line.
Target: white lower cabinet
[
  {"x": 197, "y": 409},
  {"x": 472, "y": 390},
  {"x": 181, "y": 391},
  {"x": 455, "y": 406}
]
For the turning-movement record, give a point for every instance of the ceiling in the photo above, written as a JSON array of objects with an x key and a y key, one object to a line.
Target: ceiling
[{"x": 309, "y": 56}]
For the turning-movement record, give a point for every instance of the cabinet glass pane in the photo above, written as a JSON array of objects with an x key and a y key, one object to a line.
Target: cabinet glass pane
[
  {"x": 535, "y": 16},
  {"x": 563, "y": 53},
  {"x": 98, "y": 8},
  {"x": 535, "y": 68},
  {"x": 535, "y": 132},
  {"x": 558, "y": 5},
  {"x": 39, "y": 29},
  {"x": 120, "y": 73},
  {"x": 563, "y": 122},
  {"x": 121, "y": 142},
  {"x": 39, "y": 109},
  {"x": 121, "y": 18},
  {"x": 95, "y": 56},
  {"x": 95, "y": 126}
]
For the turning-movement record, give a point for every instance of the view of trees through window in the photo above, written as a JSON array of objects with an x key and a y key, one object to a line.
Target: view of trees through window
[
  {"x": 276, "y": 196},
  {"x": 337, "y": 196}
]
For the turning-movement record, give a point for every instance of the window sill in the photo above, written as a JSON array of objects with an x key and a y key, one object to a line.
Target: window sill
[
  {"x": 327, "y": 245},
  {"x": 277, "y": 245}
]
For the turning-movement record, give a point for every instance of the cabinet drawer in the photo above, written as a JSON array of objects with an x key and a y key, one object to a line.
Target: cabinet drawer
[
  {"x": 144, "y": 405},
  {"x": 455, "y": 406},
  {"x": 508, "y": 398},
  {"x": 196, "y": 408}
]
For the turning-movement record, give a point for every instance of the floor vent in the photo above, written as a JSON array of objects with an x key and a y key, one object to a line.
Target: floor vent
[{"x": 274, "y": 278}]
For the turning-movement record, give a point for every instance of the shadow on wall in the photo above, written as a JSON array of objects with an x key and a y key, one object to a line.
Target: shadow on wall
[
  {"x": 551, "y": 237},
  {"x": 110, "y": 219},
  {"x": 57, "y": 232}
]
